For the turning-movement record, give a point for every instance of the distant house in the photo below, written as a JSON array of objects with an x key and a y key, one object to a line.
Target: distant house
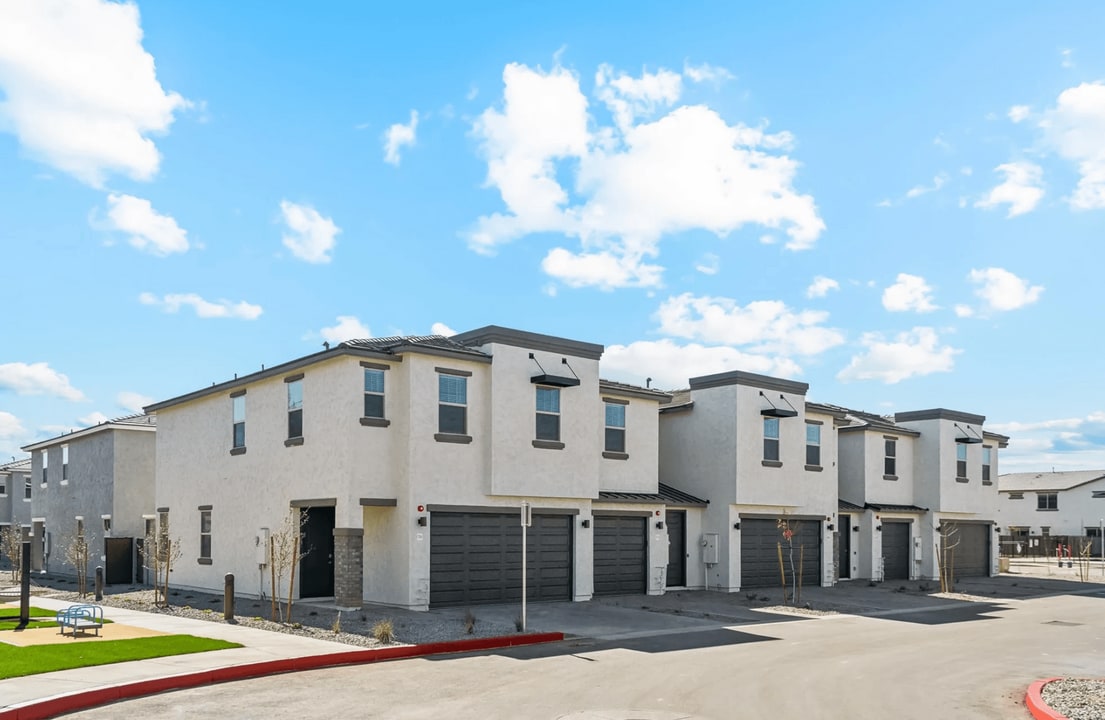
[
  {"x": 408, "y": 460},
  {"x": 1068, "y": 503},
  {"x": 15, "y": 499},
  {"x": 96, "y": 482}
]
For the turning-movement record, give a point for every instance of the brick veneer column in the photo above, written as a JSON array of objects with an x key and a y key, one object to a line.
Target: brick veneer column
[{"x": 349, "y": 567}]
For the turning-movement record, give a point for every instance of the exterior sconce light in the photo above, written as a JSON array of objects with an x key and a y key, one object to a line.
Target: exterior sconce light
[
  {"x": 997, "y": 529},
  {"x": 422, "y": 521},
  {"x": 855, "y": 528},
  {"x": 830, "y": 527},
  {"x": 736, "y": 526},
  {"x": 586, "y": 523},
  {"x": 660, "y": 525},
  {"x": 879, "y": 528}
]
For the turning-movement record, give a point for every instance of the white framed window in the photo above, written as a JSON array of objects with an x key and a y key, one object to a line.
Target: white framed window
[
  {"x": 27, "y": 489},
  {"x": 548, "y": 413},
  {"x": 3, "y": 486},
  {"x": 1047, "y": 501},
  {"x": 771, "y": 439},
  {"x": 295, "y": 409},
  {"x": 238, "y": 409},
  {"x": 615, "y": 427},
  {"x": 373, "y": 393},
  {"x": 813, "y": 444},
  {"x": 987, "y": 456},
  {"x": 45, "y": 465},
  {"x": 961, "y": 460},
  {"x": 205, "y": 534},
  {"x": 106, "y": 519},
  {"x": 452, "y": 408},
  {"x": 64, "y": 464},
  {"x": 890, "y": 457}
]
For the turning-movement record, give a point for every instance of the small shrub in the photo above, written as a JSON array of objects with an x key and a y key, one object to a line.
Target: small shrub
[
  {"x": 364, "y": 618},
  {"x": 518, "y": 627},
  {"x": 469, "y": 622},
  {"x": 297, "y": 626},
  {"x": 383, "y": 631},
  {"x": 336, "y": 626},
  {"x": 751, "y": 596}
]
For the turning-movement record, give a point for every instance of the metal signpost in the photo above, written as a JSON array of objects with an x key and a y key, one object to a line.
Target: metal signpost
[{"x": 527, "y": 520}]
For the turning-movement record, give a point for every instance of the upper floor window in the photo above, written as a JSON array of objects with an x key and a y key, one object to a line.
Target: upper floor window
[
  {"x": 45, "y": 465},
  {"x": 452, "y": 409},
  {"x": 986, "y": 457},
  {"x": 771, "y": 439},
  {"x": 239, "y": 408},
  {"x": 295, "y": 409},
  {"x": 1047, "y": 501},
  {"x": 961, "y": 460},
  {"x": 373, "y": 393},
  {"x": 65, "y": 463},
  {"x": 27, "y": 489},
  {"x": 813, "y": 444},
  {"x": 548, "y": 413},
  {"x": 615, "y": 428},
  {"x": 80, "y": 527},
  {"x": 3, "y": 486},
  {"x": 205, "y": 534},
  {"x": 890, "y": 457}
]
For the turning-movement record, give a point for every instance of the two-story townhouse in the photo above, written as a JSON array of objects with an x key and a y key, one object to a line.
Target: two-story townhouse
[
  {"x": 767, "y": 462},
  {"x": 96, "y": 483},
  {"x": 1064, "y": 503},
  {"x": 15, "y": 496},
  {"x": 409, "y": 460},
  {"x": 955, "y": 470}
]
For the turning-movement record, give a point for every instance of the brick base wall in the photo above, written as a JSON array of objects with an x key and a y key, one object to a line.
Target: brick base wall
[{"x": 349, "y": 567}]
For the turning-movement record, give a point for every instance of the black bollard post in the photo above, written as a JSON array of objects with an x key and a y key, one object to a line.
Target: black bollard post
[
  {"x": 99, "y": 583},
  {"x": 228, "y": 597},
  {"x": 25, "y": 585}
]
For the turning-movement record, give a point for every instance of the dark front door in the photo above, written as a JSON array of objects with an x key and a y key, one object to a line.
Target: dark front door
[
  {"x": 677, "y": 548},
  {"x": 621, "y": 552},
  {"x": 895, "y": 550},
  {"x": 316, "y": 568},
  {"x": 760, "y": 543},
  {"x": 477, "y": 558},
  {"x": 844, "y": 562},
  {"x": 120, "y": 555}
]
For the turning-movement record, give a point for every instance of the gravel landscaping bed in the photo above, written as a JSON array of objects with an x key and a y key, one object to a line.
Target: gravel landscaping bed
[
  {"x": 1076, "y": 699},
  {"x": 356, "y": 626}
]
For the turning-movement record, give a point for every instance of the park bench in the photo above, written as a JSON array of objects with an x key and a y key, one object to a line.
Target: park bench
[{"x": 81, "y": 618}]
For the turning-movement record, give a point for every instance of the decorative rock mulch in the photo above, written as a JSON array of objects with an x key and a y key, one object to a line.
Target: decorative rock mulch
[{"x": 1077, "y": 699}]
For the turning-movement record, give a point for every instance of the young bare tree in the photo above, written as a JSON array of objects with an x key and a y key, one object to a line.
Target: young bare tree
[
  {"x": 159, "y": 552},
  {"x": 285, "y": 553},
  {"x": 11, "y": 547},
  {"x": 75, "y": 551},
  {"x": 783, "y": 524},
  {"x": 945, "y": 554}
]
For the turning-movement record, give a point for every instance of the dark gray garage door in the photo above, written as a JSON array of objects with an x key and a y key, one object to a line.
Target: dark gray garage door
[
  {"x": 895, "y": 550},
  {"x": 968, "y": 549},
  {"x": 477, "y": 558},
  {"x": 760, "y": 554},
  {"x": 621, "y": 553}
]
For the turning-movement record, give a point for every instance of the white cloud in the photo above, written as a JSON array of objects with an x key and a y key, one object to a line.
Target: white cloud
[
  {"x": 909, "y": 354},
  {"x": 670, "y": 364},
  {"x": 1021, "y": 190},
  {"x": 94, "y": 418},
  {"x": 706, "y": 73},
  {"x": 132, "y": 401},
  {"x": 709, "y": 264},
  {"x": 918, "y": 190},
  {"x": 1018, "y": 113},
  {"x": 964, "y": 311},
  {"x": 80, "y": 92},
  {"x": 634, "y": 182},
  {"x": 348, "y": 327},
  {"x": 149, "y": 230},
  {"x": 204, "y": 308},
  {"x": 910, "y": 292},
  {"x": 767, "y": 326},
  {"x": 821, "y": 286},
  {"x": 1076, "y": 128},
  {"x": 1068, "y": 58},
  {"x": 1070, "y": 443},
  {"x": 398, "y": 136},
  {"x": 311, "y": 236},
  {"x": 442, "y": 329},
  {"x": 10, "y": 426},
  {"x": 941, "y": 143},
  {"x": 37, "y": 379},
  {"x": 1001, "y": 290}
]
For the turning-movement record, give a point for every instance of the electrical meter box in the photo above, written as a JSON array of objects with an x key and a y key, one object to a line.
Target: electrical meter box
[{"x": 709, "y": 548}]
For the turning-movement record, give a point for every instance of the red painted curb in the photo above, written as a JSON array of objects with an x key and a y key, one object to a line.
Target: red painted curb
[
  {"x": 101, "y": 696},
  {"x": 1034, "y": 700}
]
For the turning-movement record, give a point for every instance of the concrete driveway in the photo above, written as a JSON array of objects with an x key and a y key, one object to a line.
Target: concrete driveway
[{"x": 920, "y": 659}]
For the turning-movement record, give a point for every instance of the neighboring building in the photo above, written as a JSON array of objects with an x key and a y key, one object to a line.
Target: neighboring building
[
  {"x": 1070, "y": 503},
  {"x": 408, "y": 460},
  {"x": 97, "y": 482},
  {"x": 15, "y": 499},
  {"x": 909, "y": 483},
  {"x": 760, "y": 453}
]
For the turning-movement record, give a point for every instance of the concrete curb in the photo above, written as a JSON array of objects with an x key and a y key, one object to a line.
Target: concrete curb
[
  {"x": 1034, "y": 700},
  {"x": 50, "y": 707}
]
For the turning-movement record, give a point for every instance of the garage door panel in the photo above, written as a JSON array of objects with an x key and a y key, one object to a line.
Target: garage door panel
[
  {"x": 968, "y": 549},
  {"x": 760, "y": 552},
  {"x": 620, "y": 555},
  {"x": 477, "y": 558}
]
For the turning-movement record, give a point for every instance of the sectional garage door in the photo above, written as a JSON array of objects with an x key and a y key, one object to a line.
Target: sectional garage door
[
  {"x": 621, "y": 554},
  {"x": 895, "y": 550},
  {"x": 477, "y": 558},
  {"x": 970, "y": 556},
  {"x": 760, "y": 554}
]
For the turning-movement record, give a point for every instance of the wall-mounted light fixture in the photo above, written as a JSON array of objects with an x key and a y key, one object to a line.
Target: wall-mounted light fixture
[
  {"x": 830, "y": 527},
  {"x": 586, "y": 523},
  {"x": 855, "y": 528},
  {"x": 879, "y": 528},
  {"x": 421, "y": 521},
  {"x": 736, "y": 526},
  {"x": 660, "y": 525}
]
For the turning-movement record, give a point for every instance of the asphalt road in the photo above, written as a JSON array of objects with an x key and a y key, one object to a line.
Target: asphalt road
[{"x": 967, "y": 662}]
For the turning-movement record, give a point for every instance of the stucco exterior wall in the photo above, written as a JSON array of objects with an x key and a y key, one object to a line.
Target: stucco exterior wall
[
  {"x": 1077, "y": 510},
  {"x": 638, "y": 472}
]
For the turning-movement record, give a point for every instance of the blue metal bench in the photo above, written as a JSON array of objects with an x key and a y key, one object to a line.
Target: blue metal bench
[{"x": 81, "y": 618}]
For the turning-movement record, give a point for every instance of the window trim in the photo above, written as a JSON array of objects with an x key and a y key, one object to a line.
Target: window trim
[
  {"x": 616, "y": 451},
  {"x": 539, "y": 413},
  {"x": 64, "y": 465},
  {"x": 1048, "y": 500},
  {"x": 815, "y": 445},
  {"x": 767, "y": 456},
  {"x": 961, "y": 464},
  {"x": 237, "y": 399},
  {"x": 295, "y": 409},
  {"x": 987, "y": 462},
  {"x": 205, "y": 514},
  {"x": 443, "y": 435},
  {"x": 374, "y": 420}
]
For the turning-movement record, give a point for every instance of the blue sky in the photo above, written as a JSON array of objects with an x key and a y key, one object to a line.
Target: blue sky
[{"x": 900, "y": 205}]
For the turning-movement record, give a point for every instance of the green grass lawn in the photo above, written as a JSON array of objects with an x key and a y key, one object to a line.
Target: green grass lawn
[
  {"x": 20, "y": 661},
  {"x": 40, "y": 618},
  {"x": 9, "y": 613}
]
